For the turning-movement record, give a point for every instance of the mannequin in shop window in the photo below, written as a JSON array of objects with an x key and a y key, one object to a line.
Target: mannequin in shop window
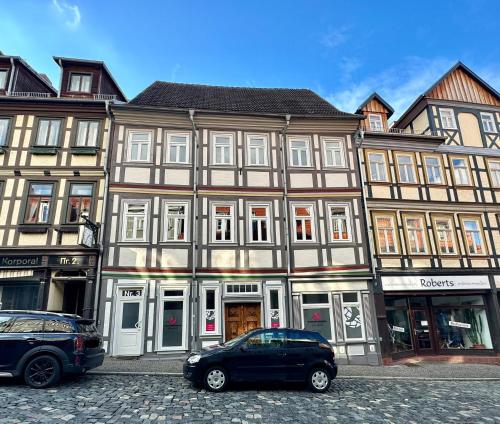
[{"x": 451, "y": 338}]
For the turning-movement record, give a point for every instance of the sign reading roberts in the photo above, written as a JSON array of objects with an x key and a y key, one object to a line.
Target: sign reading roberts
[{"x": 437, "y": 282}]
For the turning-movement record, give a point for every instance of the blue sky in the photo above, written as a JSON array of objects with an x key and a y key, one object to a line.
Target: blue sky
[{"x": 343, "y": 50}]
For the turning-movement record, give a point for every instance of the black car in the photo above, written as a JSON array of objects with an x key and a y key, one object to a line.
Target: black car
[
  {"x": 265, "y": 355},
  {"x": 41, "y": 346}
]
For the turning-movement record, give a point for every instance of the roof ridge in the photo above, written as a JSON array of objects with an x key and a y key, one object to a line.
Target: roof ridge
[{"x": 229, "y": 86}]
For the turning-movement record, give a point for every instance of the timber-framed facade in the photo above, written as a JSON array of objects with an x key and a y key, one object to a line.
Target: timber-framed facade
[
  {"x": 431, "y": 190},
  {"x": 53, "y": 156},
  {"x": 222, "y": 219}
]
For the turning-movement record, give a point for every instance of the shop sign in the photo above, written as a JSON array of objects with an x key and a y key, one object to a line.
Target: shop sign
[
  {"x": 444, "y": 282},
  {"x": 458, "y": 324},
  {"x": 398, "y": 329},
  {"x": 21, "y": 261},
  {"x": 70, "y": 261}
]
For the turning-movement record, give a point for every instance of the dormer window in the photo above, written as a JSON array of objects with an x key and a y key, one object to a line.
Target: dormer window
[
  {"x": 80, "y": 83},
  {"x": 375, "y": 122},
  {"x": 3, "y": 78}
]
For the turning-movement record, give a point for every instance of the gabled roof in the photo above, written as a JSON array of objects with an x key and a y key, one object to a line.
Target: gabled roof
[
  {"x": 97, "y": 63},
  {"x": 377, "y": 97},
  {"x": 459, "y": 66},
  {"x": 268, "y": 101},
  {"x": 40, "y": 77}
]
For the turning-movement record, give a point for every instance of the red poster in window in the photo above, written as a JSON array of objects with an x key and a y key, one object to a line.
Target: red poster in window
[
  {"x": 171, "y": 321},
  {"x": 210, "y": 326},
  {"x": 316, "y": 316},
  {"x": 275, "y": 325}
]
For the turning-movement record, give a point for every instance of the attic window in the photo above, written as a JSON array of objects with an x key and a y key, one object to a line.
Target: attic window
[
  {"x": 80, "y": 83},
  {"x": 375, "y": 122},
  {"x": 3, "y": 78}
]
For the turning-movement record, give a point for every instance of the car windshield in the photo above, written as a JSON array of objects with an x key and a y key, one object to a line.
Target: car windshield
[{"x": 234, "y": 341}]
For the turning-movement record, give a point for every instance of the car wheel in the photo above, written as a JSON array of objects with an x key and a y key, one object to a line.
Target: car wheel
[
  {"x": 42, "y": 371},
  {"x": 216, "y": 379},
  {"x": 319, "y": 380}
]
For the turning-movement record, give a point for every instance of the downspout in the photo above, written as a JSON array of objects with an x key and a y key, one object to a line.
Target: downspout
[
  {"x": 360, "y": 136},
  {"x": 194, "y": 235},
  {"x": 283, "y": 145},
  {"x": 103, "y": 214},
  {"x": 61, "y": 80},
  {"x": 12, "y": 72}
]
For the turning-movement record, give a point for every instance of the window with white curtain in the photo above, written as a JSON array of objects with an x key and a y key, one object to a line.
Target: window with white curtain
[
  {"x": 448, "y": 119},
  {"x": 139, "y": 146},
  {"x": 48, "y": 132},
  {"x": 460, "y": 171},
  {"x": 87, "y": 133},
  {"x": 177, "y": 147},
  {"x": 494, "y": 167},
  {"x": 406, "y": 169},
  {"x": 300, "y": 154},
  {"x": 334, "y": 152},
  {"x": 257, "y": 150},
  {"x": 223, "y": 149}
]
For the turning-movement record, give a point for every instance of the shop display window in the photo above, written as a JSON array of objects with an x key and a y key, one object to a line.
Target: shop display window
[{"x": 399, "y": 330}]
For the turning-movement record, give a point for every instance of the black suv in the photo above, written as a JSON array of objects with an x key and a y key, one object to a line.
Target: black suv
[
  {"x": 40, "y": 346},
  {"x": 265, "y": 355}
]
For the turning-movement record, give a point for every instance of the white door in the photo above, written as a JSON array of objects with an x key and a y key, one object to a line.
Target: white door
[{"x": 129, "y": 322}]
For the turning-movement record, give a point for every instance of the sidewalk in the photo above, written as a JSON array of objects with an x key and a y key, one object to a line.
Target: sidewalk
[{"x": 413, "y": 370}]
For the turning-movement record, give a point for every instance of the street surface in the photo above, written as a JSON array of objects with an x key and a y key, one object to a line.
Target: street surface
[{"x": 168, "y": 399}]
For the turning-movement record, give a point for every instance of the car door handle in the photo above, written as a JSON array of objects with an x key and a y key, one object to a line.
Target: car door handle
[{"x": 31, "y": 340}]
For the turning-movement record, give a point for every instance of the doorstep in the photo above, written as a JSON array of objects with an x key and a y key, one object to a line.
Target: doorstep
[{"x": 449, "y": 359}]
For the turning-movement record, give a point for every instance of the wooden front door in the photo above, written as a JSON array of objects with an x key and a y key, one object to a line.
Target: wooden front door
[{"x": 241, "y": 317}]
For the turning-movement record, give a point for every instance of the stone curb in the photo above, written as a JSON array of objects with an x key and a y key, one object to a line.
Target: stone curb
[{"x": 341, "y": 377}]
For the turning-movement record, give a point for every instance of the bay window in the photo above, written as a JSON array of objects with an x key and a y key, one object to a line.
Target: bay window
[
  {"x": 134, "y": 221},
  {"x": 39, "y": 203},
  {"x": 223, "y": 228},
  {"x": 303, "y": 222}
]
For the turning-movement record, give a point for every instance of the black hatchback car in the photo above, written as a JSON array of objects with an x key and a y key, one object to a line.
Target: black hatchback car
[
  {"x": 41, "y": 346},
  {"x": 265, "y": 355}
]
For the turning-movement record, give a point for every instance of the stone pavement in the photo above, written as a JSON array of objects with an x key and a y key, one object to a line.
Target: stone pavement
[
  {"x": 414, "y": 370},
  {"x": 168, "y": 399}
]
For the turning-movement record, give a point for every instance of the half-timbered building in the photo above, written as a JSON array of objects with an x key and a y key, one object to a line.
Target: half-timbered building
[
  {"x": 53, "y": 167},
  {"x": 229, "y": 209},
  {"x": 431, "y": 184}
]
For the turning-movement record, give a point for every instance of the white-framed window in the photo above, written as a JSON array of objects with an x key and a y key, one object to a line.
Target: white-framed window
[
  {"x": 303, "y": 223},
  {"x": 415, "y": 232},
  {"x": 3, "y": 79},
  {"x": 377, "y": 166},
  {"x": 80, "y": 83},
  {"x": 176, "y": 221},
  {"x": 139, "y": 146},
  {"x": 4, "y": 131},
  {"x": 178, "y": 147},
  {"x": 445, "y": 235},
  {"x": 488, "y": 121},
  {"x": 223, "y": 225},
  {"x": 210, "y": 309},
  {"x": 494, "y": 168},
  {"x": 242, "y": 289},
  {"x": 135, "y": 220},
  {"x": 275, "y": 317},
  {"x": 375, "y": 122},
  {"x": 223, "y": 148},
  {"x": 433, "y": 170},
  {"x": 386, "y": 234},
  {"x": 340, "y": 222},
  {"x": 406, "y": 168},
  {"x": 448, "y": 119},
  {"x": 300, "y": 152},
  {"x": 173, "y": 320},
  {"x": 259, "y": 223},
  {"x": 352, "y": 316},
  {"x": 48, "y": 132},
  {"x": 473, "y": 234},
  {"x": 87, "y": 133},
  {"x": 257, "y": 148},
  {"x": 333, "y": 150},
  {"x": 460, "y": 171},
  {"x": 317, "y": 314}
]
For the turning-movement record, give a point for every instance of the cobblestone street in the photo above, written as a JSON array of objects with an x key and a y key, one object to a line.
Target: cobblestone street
[{"x": 166, "y": 399}]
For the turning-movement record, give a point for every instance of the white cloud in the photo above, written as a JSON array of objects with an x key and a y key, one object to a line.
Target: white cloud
[
  {"x": 399, "y": 85},
  {"x": 334, "y": 37},
  {"x": 69, "y": 12}
]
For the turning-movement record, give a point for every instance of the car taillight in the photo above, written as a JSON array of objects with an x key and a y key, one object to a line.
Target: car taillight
[{"x": 79, "y": 344}]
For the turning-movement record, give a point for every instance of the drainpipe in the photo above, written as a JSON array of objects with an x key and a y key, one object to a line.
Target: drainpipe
[
  {"x": 360, "y": 136},
  {"x": 194, "y": 235},
  {"x": 103, "y": 214},
  {"x": 61, "y": 79},
  {"x": 283, "y": 145},
  {"x": 11, "y": 79}
]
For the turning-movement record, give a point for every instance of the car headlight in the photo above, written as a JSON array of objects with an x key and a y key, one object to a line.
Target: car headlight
[{"x": 194, "y": 359}]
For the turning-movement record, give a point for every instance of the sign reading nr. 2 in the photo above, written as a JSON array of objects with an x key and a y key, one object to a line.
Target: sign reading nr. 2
[{"x": 70, "y": 260}]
